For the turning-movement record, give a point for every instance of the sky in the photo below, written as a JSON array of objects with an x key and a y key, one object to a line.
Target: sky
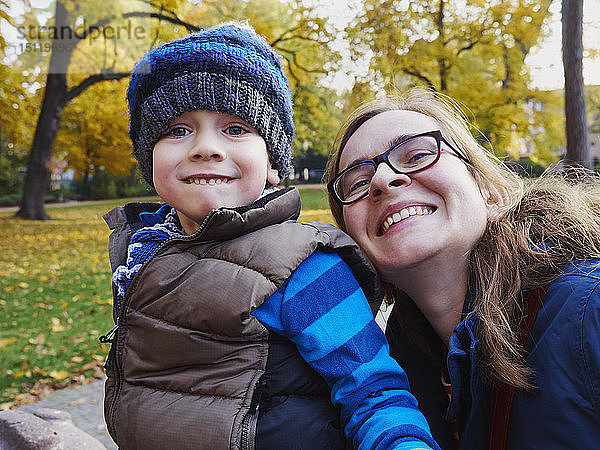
[{"x": 544, "y": 61}]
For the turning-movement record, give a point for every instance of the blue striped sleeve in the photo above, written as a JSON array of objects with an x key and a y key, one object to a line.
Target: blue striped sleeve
[{"x": 323, "y": 310}]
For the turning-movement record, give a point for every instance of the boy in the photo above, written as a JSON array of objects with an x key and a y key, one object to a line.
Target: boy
[{"x": 230, "y": 314}]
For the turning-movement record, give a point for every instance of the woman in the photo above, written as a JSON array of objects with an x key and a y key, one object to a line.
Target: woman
[{"x": 470, "y": 252}]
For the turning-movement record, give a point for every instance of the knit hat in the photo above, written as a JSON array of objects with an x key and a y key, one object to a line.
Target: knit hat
[{"x": 227, "y": 69}]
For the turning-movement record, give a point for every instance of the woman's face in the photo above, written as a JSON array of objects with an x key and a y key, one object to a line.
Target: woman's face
[{"x": 436, "y": 215}]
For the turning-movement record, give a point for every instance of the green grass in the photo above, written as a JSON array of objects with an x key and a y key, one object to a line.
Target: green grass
[
  {"x": 314, "y": 199},
  {"x": 55, "y": 296}
]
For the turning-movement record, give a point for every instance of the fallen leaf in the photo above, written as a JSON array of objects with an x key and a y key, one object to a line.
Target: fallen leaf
[
  {"x": 56, "y": 325},
  {"x": 79, "y": 401},
  {"x": 90, "y": 365},
  {"x": 59, "y": 374},
  {"x": 39, "y": 339},
  {"x": 7, "y": 341}
]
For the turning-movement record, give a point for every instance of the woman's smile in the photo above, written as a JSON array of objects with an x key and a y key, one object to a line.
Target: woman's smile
[{"x": 402, "y": 214}]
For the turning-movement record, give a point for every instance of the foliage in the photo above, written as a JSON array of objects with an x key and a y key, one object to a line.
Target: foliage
[
  {"x": 55, "y": 297},
  {"x": 103, "y": 185},
  {"x": 546, "y": 126},
  {"x": 19, "y": 97},
  {"x": 592, "y": 101},
  {"x": 12, "y": 162},
  {"x": 473, "y": 51},
  {"x": 19, "y": 107},
  {"x": 94, "y": 131}
]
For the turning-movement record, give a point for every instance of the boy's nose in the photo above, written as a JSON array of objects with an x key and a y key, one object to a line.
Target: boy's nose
[{"x": 205, "y": 147}]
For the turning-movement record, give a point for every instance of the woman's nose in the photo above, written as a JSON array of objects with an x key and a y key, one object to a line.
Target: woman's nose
[
  {"x": 207, "y": 147},
  {"x": 386, "y": 179}
]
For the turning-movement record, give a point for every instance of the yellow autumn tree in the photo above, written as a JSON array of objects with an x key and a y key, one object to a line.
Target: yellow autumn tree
[
  {"x": 20, "y": 78},
  {"x": 473, "y": 51},
  {"x": 94, "y": 128},
  {"x": 94, "y": 132}
]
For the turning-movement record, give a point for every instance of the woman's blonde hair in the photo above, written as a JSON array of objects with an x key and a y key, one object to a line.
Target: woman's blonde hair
[{"x": 542, "y": 226}]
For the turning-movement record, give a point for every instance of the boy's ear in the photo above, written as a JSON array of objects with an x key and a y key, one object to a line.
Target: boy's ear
[
  {"x": 496, "y": 198},
  {"x": 272, "y": 175}
]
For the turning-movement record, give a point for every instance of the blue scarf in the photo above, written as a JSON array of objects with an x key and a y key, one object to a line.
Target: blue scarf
[{"x": 163, "y": 224}]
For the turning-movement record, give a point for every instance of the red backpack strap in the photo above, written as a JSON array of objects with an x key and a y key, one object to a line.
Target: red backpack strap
[{"x": 503, "y": 395}]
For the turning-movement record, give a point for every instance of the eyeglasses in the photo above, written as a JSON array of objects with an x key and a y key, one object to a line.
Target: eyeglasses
[{"x": 411, "y": 155}]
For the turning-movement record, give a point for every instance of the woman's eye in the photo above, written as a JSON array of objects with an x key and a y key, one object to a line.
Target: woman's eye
[
  {"x": 358, "y": 185},
  {"x": 419, "y": 155},
  {"x": 235, "y": 130},
  {"x": 416, "y": 157},
  {"x": 178, "y": 132}
]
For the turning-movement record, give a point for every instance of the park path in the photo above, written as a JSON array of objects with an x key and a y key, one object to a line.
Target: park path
[
  {"x": 54, "y": 205},
  {"x": 87, "y": 202},
  {"x": 85, "y": 404}
]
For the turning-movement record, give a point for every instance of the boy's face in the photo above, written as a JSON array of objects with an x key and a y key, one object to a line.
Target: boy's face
[{"x": 208, "y": 160}]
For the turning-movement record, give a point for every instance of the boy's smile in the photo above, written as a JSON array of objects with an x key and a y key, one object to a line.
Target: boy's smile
[
  {"x": 210, "y": 181},
  {"x": 209, "y": 160}
]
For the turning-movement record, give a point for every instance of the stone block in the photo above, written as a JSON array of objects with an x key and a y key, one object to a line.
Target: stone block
[{"x": 44, "y": 429}]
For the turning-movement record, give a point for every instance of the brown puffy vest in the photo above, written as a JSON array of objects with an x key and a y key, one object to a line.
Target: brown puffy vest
[{"x": 188, "y": 353}]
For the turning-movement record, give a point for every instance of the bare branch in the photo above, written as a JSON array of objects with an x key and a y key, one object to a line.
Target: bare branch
[
  {"x": 276, "y": 41},
  {"x": 466, "y": 47},
  {"x": 292, "y": 73},
  {"x": 522, "y": 46},
  {"x": 420, "y": 77},
  {"x": 508, "y": 75},
  {"x": 304, "y": 38},
  {"x": 174, "y": 20},
  {"x": 297, "y": 64},
  {"x": 93, "y": 79},
  {"x": 95, "y": 27}
]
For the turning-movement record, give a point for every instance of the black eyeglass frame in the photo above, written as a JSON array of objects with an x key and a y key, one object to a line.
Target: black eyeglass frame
[{"x": 383, "y": 157}]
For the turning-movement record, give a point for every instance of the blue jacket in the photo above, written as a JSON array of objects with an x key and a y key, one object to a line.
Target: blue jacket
[{"x": 563, "y": 350}]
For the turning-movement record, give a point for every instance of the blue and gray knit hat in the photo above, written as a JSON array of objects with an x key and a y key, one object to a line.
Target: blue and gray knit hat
[{"x": 227, "y": 69}]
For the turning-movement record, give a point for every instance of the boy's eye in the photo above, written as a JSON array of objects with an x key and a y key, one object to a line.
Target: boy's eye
[
  {"x": 178, "y": 132},
  {"x": 235, "y": 130}
]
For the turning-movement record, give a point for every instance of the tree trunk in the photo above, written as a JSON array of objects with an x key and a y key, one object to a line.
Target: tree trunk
[
  {"x": 85, "y": 185},
  {"x": 37, "y": 179},
  {"x": 578, "y": 150},
  {"x": 442, "y": 61}
]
